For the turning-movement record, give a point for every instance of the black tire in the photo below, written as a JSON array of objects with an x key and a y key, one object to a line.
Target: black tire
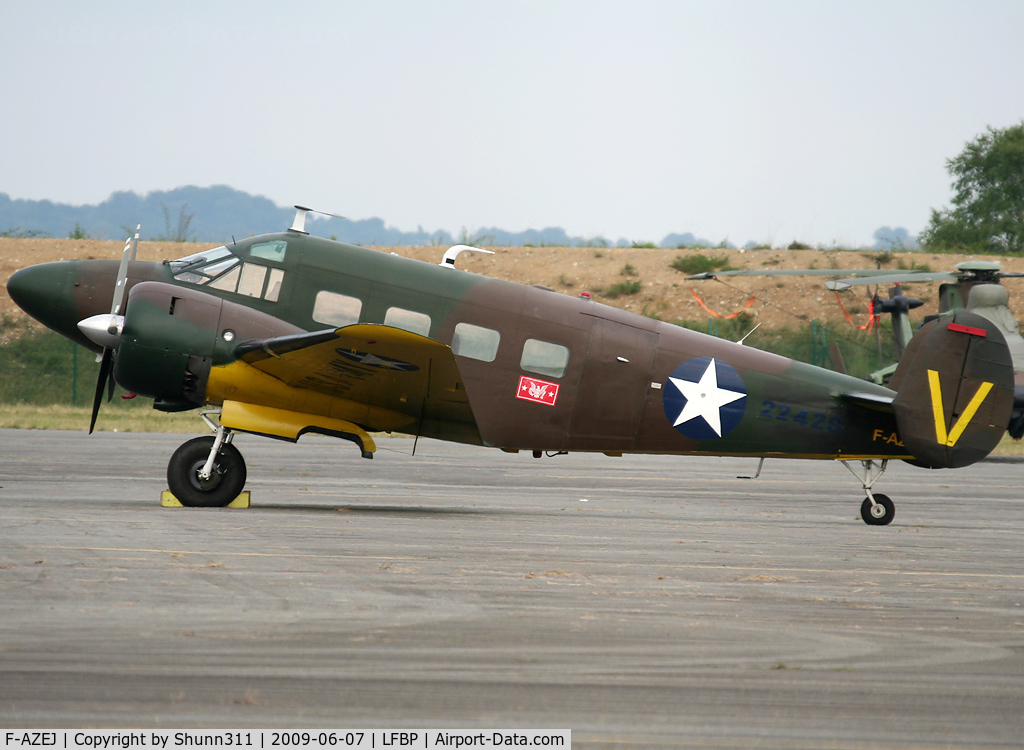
[
  {"x": 226, "y": 480},
  {"x": 885, "y": 511}
]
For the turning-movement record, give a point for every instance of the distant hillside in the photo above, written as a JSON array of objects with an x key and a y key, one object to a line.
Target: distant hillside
[
  {"x": 215, "y": 214},
  {"x": 190, "y": 213}
]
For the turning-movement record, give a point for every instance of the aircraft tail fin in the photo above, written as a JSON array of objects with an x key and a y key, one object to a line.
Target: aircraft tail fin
[{"x": 954, "y": 391}]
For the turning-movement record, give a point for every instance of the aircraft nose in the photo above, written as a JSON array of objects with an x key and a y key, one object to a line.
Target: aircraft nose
[{"x": 46, "y": 292}]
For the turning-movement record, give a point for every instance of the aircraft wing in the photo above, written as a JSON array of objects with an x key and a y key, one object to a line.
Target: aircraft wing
[{"x": 374, "y": 365}]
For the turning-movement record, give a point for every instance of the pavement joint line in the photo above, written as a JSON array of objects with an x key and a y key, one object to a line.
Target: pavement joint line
[
  {"x": 741, "y": 568},
  {"x": 218, "y": 552}
]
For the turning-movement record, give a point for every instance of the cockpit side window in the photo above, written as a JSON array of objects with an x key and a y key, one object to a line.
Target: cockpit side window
[
  {"x": 273, "y": 251},
  {"x": 274, "y": 285},
  {"x": 222, "y": 270},
  {"x": 228, "y": 281},
  {"x": 251, "y": 282}
]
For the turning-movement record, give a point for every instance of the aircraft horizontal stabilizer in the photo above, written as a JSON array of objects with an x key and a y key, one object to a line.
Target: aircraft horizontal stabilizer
[
  {"x": 954, "y": 391},
  {"x": 870, "y": 400}
]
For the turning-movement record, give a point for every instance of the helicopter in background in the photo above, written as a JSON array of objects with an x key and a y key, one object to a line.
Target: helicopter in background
[{"x": 972, "y": 285}]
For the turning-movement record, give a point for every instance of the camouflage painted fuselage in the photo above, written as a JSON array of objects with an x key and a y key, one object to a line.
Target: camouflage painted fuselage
[{"x": 625, "y": 386}]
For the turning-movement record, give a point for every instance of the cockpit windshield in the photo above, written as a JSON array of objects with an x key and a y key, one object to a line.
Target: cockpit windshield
[
  {"x": 196, "y": 259},
  {"x": 203, "y": 267}
]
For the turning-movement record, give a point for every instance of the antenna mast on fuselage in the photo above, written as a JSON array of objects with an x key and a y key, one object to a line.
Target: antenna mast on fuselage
[{"x": 299, "y": 223}]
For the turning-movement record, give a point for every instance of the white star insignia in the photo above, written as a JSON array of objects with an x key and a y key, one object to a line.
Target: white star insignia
[{"x": 704, "y": 399}]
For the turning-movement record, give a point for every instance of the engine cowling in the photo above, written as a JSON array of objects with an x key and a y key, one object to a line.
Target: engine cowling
[{"x": 172, "y": 335}]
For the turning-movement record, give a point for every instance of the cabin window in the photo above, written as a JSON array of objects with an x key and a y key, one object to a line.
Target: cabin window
[
  {"x": 336, "y": 309},
  {"x": 408, "y": 320},
  {"x": 475, "y": 342},
  {"x": 251, "y": 282},
  {"x": 274, "y": 285},
  {"x": 544, "y": 358},
  {"x": 269, "y": 251}
]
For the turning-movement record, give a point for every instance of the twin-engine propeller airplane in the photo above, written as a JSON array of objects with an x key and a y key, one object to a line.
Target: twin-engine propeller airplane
[{"x": 284, "y": 334}]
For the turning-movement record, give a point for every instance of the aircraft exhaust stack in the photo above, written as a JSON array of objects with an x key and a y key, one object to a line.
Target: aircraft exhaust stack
[{"x": 954, "y": 391}]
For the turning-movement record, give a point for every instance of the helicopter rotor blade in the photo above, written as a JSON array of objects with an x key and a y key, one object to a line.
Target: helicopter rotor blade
[
  {"x": 892, "y": 277},
  {"x": 854, "y": 272}
]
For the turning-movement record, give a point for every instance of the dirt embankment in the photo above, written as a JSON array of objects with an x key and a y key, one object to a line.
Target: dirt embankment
[{"x": 779, "y": 302}]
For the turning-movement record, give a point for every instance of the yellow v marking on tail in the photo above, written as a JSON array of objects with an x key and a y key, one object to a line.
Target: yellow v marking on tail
[
  {"x": 965, "y": 419},
  {"x": 940, "y": 419}
]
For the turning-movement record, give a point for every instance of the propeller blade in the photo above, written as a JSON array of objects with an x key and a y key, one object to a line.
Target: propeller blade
[
  {"x": 101, "y": 381},
  {"x": 130, "y": 246},
  {"x": 110, "y": 377},
  {"x": 93, "y": 328}
]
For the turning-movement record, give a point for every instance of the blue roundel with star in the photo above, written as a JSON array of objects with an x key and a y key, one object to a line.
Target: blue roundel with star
[{"x": 704, "y": 398}]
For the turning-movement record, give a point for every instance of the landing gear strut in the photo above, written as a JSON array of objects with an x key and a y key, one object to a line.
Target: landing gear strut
[
  {"x": 207, "y": 472},
  {"x": 877, "y": 509}
]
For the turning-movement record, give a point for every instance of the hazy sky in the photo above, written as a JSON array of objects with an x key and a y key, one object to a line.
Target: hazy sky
[{"x": 767, "y": 121}]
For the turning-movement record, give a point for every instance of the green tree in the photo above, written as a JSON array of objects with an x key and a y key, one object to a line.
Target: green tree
[{"x": 988, "y": 205}]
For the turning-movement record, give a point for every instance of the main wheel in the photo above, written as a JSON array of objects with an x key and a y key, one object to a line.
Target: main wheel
[
  {"x": 226, "y": 479},
  {"x": 880, "y": 514}
]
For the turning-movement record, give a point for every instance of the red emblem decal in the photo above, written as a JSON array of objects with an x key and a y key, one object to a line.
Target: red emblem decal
[{"x": 540, "y": 391}]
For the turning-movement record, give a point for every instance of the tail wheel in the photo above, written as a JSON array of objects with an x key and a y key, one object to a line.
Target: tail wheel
[
  {"x": 226, "y": 479},
  {"x": 879, "y": 514}
]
